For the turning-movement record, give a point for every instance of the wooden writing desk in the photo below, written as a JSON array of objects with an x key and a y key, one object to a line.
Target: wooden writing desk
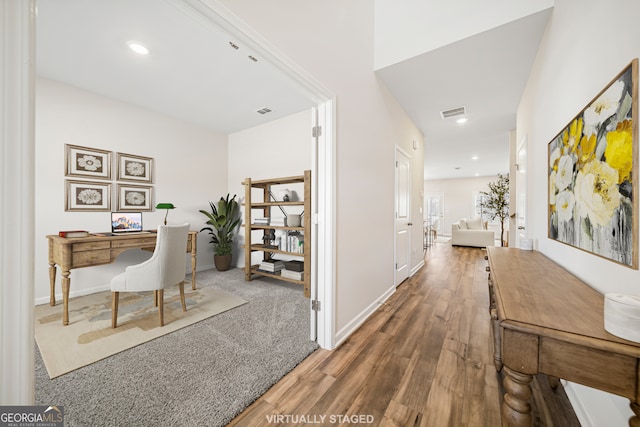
[
  {"x": 551, "y": 322},
  {"x": 70, "y": 253}
]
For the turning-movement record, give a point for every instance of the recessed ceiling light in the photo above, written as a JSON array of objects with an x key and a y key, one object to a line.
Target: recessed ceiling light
[
  {"x": 462, "y": 120},
  {"x": 477, "y": 174},
  {"x": 138, "y": 48},
  {"x": 474, "y": 157}
]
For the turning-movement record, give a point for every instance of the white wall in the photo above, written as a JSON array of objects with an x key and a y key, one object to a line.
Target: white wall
[
  {"x": 407, "y": 29},
  {"x": 277, "y": 149},
  {"x": 573, "y": 65},
  {"x": 190, "y": 168},
  {"x": 333, "y": 41},
  {"x": 458, "y": 197}
]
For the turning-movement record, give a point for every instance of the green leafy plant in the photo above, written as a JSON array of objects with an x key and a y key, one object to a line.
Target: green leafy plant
[
  {"x": 496, "y": 204},
  {"x": 223, "y": 219}
]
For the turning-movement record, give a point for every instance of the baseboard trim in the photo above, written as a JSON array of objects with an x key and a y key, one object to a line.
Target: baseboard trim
[
  {"x": 73, "y": 294},
  {"x": 352, "y": 326},
  {"x": 417, "y": 268}
]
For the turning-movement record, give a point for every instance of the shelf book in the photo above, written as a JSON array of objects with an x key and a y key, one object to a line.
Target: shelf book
[
  {"x": 73, "y": 233},
  {"x": 292, "y": 241}
]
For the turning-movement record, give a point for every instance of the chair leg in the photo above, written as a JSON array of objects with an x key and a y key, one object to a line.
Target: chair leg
[
  {"x": 182, "y": 299},
  {"x": 160, "y": 298},
  {"x": 115, "y": 297},
  {"x": 155, "y": 298}
]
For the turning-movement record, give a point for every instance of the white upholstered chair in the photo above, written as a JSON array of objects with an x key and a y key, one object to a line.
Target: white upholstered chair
[{"x": 165, "y": 268}]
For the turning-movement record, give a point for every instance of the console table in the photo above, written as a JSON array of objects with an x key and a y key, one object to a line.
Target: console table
[
  {"x": 548, "y": 321},
  {"x": 69, "y": 253}
]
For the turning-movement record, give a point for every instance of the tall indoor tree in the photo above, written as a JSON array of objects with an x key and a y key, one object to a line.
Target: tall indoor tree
[{"x": 496, "y": 202}]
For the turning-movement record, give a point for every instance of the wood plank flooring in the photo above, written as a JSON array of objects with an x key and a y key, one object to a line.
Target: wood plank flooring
[{"x": 423, "y": 359}]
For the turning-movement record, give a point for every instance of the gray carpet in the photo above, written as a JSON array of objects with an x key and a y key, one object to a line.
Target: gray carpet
[{"x": 202, "y": 375}]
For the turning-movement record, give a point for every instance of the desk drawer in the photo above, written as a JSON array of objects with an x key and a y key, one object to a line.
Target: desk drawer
[
  {"x": 82, "y": 259},
  {"x": 133, "y": 243},
  {"x": 90, "y": 246}
]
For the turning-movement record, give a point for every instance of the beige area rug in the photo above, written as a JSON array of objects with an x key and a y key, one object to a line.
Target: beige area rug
[{"x": 89, "y": 336}]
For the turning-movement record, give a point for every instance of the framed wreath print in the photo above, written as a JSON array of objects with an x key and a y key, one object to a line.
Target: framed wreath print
[
  {"x": 135, "y": 168},
  {"x": 593, "y": 174},
  {"x": 87, "y": 162},
  {"x": 87, "y": 196},
  {"x": 135, "y": 197}
]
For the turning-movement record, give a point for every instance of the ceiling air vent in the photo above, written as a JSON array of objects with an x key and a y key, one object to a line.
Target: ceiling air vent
[
  {"x": 264, "y": 110},
  {"x": 453, "y": 112}
]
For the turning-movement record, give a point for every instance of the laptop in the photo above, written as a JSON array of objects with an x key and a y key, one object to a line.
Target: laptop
[{"x": 126, "y": 222}]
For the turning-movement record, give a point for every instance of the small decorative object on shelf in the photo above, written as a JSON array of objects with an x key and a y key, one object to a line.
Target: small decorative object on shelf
[{"x": 287, "y": 235}]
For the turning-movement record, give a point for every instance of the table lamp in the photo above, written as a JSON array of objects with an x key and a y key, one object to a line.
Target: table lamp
[{"x": 166, "y": 206}]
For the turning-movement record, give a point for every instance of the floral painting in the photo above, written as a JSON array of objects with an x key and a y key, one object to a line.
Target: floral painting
[
  {"x": 135, "y": 198},
  {"x": 87, "y": 162},
  {"x": 593, "y": 175},
  {"x": 135, "y": 168},
  {"x": 87, "y": 196}
]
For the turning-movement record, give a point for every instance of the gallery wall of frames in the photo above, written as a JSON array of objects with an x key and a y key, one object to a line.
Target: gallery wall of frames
[{"x": 91, "y": 185}]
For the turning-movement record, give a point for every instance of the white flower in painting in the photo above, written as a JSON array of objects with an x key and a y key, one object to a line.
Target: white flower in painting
[
  {"x": 89, "y": 196},
  {"x": 564, "y": 205},
  {"x": 89, "y": 163},
  {"x": 596, "y": 192},
  {"x": 602, "y": 108},
  {"x": 565, "y": 172},
  {"x": 135, "y": 168},
  {"x": 134, "y": 198},
  {"x": 554, "y": 156},
  {"x": 553, "y": 190}
]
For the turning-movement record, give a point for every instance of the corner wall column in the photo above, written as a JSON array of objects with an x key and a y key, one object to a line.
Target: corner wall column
[{"x": 17, "y": 192}]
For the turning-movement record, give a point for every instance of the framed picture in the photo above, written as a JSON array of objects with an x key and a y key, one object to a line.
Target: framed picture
[
  {"x": 87, "y": 162},
  {"x": 135, "y": 168},
  {"x": 135, "y": 197},
  {"x": 87, "y": 196},
  {"x": 593, "y": 174}
]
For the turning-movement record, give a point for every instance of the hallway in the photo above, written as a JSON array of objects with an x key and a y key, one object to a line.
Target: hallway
[{"x": 423, "y": 359}]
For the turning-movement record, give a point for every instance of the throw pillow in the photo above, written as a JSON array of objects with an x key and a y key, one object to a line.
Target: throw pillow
[
  {"x": 462, "y": 224},
  {"x": 474, "y": 224}
]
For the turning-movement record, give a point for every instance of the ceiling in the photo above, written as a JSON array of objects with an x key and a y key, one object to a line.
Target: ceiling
[
  {"x": 486, "y": 74},
  {"x": 194, "y": 74}
]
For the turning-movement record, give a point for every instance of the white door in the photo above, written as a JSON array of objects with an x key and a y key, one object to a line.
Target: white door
[
  {"x": 402, "y": 216},
  {"x": 521, "y": 192}
]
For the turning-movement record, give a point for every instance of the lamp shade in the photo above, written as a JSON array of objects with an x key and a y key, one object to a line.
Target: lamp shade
[{"x": 165, "y": 206}]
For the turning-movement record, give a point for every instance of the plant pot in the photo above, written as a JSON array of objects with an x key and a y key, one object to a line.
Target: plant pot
[{"x": 222, "y": 262}]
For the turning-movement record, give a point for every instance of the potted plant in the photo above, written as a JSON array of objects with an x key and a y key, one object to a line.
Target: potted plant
[
  {"x": 496, "y": 205},
  {"x": 223, "y": 219}
]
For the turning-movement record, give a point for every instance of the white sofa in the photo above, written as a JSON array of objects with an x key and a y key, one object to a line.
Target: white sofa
[{"x": 471, "y": 232}]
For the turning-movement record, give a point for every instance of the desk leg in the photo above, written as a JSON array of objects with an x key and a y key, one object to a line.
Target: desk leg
[
  {"x": 66, "y": 284},
  {"x": 635, "y": 420},
  {"x": 516, "y": 410},
  {"x": 193, "y": 271},
  {"x": 52, "y": 284}
]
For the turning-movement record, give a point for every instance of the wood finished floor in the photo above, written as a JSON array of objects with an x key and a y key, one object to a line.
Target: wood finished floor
[{"x": 423, "y": 359}]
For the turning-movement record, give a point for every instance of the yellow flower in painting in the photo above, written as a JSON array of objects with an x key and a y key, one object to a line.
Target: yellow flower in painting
[
  {"x": 554, "y": 156},
  {"x": 587, "y": 149},
  {"x": 619, "y": 152},
  {"x": 596, "y": 192},
  {"x": 571, "y": 135}
]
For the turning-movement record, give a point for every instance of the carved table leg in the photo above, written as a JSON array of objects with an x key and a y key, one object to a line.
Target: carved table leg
[
  {"x": 66, "y": 284},
  {"x": 52, "y": 283},
  {"x": 635, "y": 420},
  {"x": 516, "y": 410},
  {"x": 497, "y": 340}
]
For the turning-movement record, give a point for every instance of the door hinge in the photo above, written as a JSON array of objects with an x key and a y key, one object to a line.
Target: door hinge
[
  {"x": 315, "y": 305},
  {"x": 316, "y": 131}
]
